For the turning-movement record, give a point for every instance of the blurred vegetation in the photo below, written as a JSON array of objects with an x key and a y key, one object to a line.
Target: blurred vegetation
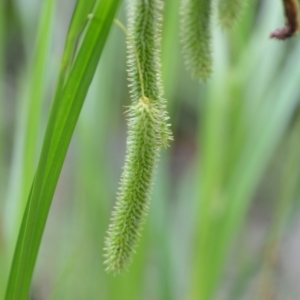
[{"x": 223, "y": 217}]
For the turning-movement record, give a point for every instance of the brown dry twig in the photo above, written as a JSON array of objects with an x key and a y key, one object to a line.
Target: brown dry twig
[{"x": 292, "y": 24}]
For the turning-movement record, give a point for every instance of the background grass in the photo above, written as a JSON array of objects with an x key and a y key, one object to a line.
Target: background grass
[{"x": 223, "y": 217}]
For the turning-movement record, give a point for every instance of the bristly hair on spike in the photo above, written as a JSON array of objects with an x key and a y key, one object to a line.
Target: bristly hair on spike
[
  {"x": 195, "y": 29},
  {"x": 148, "y": 132}
]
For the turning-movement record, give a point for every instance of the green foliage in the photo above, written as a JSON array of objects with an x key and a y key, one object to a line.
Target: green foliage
[
  {"x": 34, "y": 103},
  {"x": 82, "y": 13},
  {"x": 147, "y": 129},
  {"x": 228, "y": 134},
  {"x": 61, "y": 124},
  {"x": 232, "y": 170},
  {"x": 196, "y": 37}
]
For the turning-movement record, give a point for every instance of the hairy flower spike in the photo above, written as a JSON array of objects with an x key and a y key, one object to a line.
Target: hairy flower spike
[
  {"x": 143, "y": 147},
  {"x": 196, "y": 36},
  {"x": 230, "y": 11},
  {"x": 148, "y": 131}
]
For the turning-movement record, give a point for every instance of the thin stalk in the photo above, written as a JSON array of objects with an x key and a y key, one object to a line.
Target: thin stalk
[{"x": 2, "y": 165}]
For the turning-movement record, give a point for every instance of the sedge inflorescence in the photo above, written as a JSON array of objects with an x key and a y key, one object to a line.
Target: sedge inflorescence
[
  {"x": 196, "y": 34},
  {"x": 148, "y": 132},
  {"x": 148, "y": 128},
  {"x": 196, "y": 37}
]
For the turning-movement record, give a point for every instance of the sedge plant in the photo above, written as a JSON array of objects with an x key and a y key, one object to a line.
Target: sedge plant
[
  {"x": 148, "y": 132},
  {"x": 234, "y": 149}
]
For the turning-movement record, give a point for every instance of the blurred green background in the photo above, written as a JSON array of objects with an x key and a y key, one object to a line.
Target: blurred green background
[{"x": 223, "y": 220}]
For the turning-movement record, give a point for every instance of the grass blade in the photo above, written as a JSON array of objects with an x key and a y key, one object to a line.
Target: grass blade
[
  {"x": 35, "y": 97},
  {"x": 62, "y": 121}
]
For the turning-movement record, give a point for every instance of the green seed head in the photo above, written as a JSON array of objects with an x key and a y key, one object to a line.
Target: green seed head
[
  {"x": 196, "y": 37},
  {"x": 148, "y": 131}
]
